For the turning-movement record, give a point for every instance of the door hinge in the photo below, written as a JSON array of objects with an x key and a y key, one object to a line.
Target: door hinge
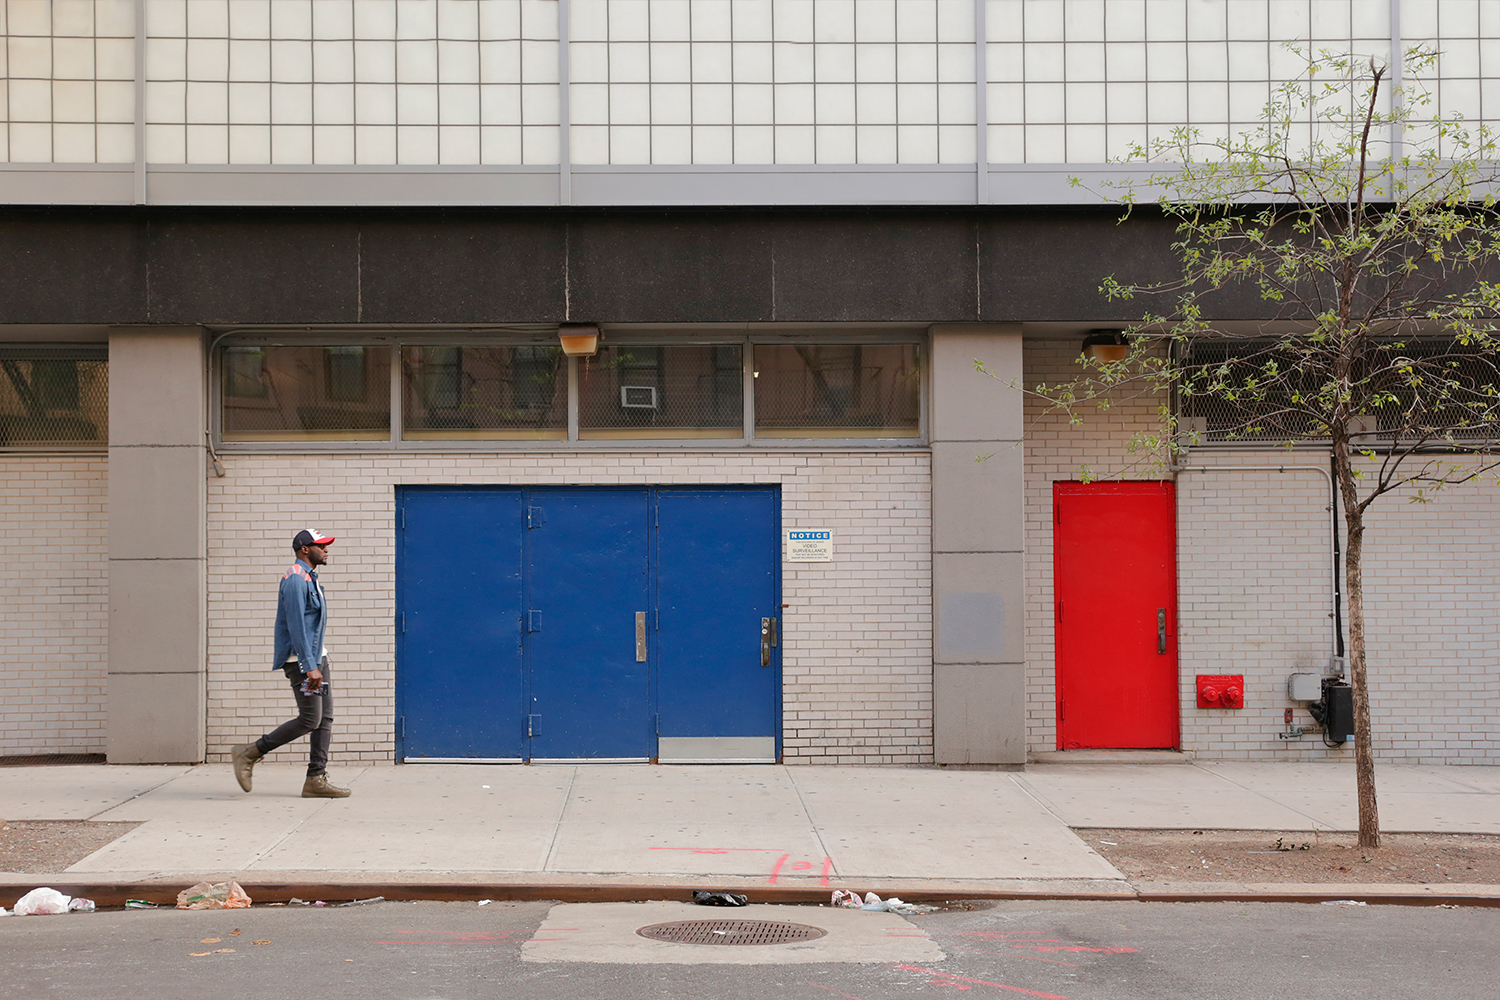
[
  {"x": 535, "y": 518},
  {"x": 402, "y": 727},
  {"x": 1059, "y": 610},
  {"x": 403, "y": 517},
  {"x": 401, "y": 621},
  {"x": 533, "y": 621},
  {"x": 532, "y": 725}
]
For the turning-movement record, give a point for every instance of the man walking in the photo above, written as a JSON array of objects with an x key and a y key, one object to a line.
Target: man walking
[{"x": 301, "y": 617}]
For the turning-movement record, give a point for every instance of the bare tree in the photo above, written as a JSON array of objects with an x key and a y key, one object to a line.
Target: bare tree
[{"x": 1372, "y": 236}]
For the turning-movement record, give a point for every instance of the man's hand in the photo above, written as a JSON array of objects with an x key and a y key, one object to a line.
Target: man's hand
[{"x": 315, "y": 680}]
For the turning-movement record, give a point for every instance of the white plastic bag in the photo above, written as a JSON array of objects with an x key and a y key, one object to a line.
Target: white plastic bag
[
  {"x": 213, "y": 896},
  {"x": 846, "y": 899},
  {"x": 895, "y": 905},
  {"x": 42, "y": 901}
]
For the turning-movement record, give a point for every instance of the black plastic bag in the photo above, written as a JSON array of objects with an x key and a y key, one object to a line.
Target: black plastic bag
[{"x": 704, "y": 898}]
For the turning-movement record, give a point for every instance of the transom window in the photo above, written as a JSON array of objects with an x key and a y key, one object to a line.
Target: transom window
[{"x": 400, "y": 392}]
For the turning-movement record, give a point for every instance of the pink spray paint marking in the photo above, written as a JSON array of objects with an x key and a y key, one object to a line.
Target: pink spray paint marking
[
  {"x": 1034, "y": 958},
  {"x": 440, "y": 937},
  {"x": 1118, "y": 950},
  {"x": 776, "y": 868},
  {"x": 948, "y": 979}
]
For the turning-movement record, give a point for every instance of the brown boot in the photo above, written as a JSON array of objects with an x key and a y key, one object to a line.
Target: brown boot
[
  {"x": 317, "y": 787},
  {"x": 244, "y": 758}
]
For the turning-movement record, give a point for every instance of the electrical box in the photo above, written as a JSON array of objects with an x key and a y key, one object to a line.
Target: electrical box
[
  {"x": 1338, "y": 709},
  {"x": 1304, "y": 687}
]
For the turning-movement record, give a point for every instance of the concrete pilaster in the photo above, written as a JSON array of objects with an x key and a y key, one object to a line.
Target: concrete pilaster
[
  {"x": 157, "y": 545},
  {"x": 978, "y": 511}
]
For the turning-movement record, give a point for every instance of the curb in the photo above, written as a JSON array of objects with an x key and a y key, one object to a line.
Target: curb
[{"x": 161, "y": 892}]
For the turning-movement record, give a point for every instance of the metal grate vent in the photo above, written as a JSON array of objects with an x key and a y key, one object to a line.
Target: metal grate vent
[
  {"x": 43, "y": 759},
  {"x": 731, "y": 932}
]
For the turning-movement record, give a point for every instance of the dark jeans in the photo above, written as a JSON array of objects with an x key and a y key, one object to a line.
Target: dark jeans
[{"x": 314, "y": 720}]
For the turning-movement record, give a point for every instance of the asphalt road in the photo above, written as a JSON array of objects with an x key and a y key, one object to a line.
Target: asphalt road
[{"x": 457, "y": 951}]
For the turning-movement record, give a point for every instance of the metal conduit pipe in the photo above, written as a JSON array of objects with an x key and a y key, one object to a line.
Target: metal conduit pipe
[{"x": 1335, "y": 646}]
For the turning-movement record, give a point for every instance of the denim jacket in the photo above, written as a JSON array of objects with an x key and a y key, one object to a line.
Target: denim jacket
[{"x": 301, "y": 617}]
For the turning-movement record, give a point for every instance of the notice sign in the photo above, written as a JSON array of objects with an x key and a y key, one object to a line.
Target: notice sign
[{"x": 809, "y": 545}]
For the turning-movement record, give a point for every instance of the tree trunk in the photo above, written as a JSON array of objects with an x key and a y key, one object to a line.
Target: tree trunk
[{"x": 1364, "y": 754}]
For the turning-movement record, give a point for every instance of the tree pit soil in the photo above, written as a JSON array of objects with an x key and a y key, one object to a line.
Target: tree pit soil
[
  {"x": 50, "y": 846},
  {"x": 1243, "y": 856}
]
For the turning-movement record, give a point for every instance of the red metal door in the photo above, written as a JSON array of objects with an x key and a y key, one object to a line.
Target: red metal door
[{"x": 1115, "y": 576}]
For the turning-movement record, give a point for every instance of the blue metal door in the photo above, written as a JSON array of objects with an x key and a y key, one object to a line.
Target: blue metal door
[
  {"x": 587, "y": 563},
  {"x": 458, "y": 639},
  {"x": 583, "y": 623},
  {"x": 719, "y": 655}
]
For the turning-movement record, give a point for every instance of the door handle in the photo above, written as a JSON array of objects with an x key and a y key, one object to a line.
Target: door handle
[
  {"x": 640, "y": 637},
  {"x": 1161, "y": 631},
  {"x": 767, "y": 640}
]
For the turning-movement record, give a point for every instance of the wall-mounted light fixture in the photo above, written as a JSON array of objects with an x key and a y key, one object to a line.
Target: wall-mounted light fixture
[
  {"x": 579, "y": 340},
  {"x": 1105, "y": 345}
]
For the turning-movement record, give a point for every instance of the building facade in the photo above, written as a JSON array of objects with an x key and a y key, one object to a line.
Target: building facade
[{"x": 282, "y": 263}]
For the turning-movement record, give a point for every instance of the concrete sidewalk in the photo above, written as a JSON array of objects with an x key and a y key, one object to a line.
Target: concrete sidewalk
[{"x": 614, "y": 831}]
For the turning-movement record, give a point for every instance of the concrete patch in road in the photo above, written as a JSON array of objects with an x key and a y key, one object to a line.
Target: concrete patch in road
[{"x": 606, "y": 933}]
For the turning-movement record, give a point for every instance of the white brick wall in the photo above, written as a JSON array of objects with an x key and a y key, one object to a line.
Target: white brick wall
[
  {"x": 1432, "y": 576},
  {"x": 857, "y": 639},
  {"x": 54, "y": 603},
  {"x": 1254, "y": 592}
]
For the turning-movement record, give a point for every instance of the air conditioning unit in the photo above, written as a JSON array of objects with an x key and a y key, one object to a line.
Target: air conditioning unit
[{"x": 638, "y": 397}]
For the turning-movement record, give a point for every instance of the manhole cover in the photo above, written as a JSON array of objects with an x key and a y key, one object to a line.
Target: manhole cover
[{"x": 731, "y": 932}]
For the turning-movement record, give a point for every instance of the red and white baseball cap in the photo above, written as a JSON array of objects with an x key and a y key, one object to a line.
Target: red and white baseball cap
[{"x": 310, "y": 536}]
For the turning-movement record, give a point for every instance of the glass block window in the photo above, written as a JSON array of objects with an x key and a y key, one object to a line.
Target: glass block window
[
  {"x": 352, "y": 81},
  {"x": 837, "y": 390},
  {"x": 296, "y": 393},
  {"x": 67, "y": 81},
  {"x": 479, "y": 393},
  {"x": 662, "y": 391},
  {"x": 757, "y": 82},
  {"x": 1081, "y": 81},
  {"x": 54, "y": 396},
  {"x": 1464, "y": 85}
]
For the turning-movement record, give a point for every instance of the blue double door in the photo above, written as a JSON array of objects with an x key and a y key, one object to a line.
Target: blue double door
[{"x": 588, "y": 623}]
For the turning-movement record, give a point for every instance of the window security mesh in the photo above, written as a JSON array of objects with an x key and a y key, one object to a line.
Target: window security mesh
[
  {"x": 306, "y": 393},
  {"x": 1435, "y": 392},
  {"x": 837, "y": 390},
  {"x": 676, "y": 391},
  {"x": 53, "y": 396},
  {"x": 483, "y": 392}
]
